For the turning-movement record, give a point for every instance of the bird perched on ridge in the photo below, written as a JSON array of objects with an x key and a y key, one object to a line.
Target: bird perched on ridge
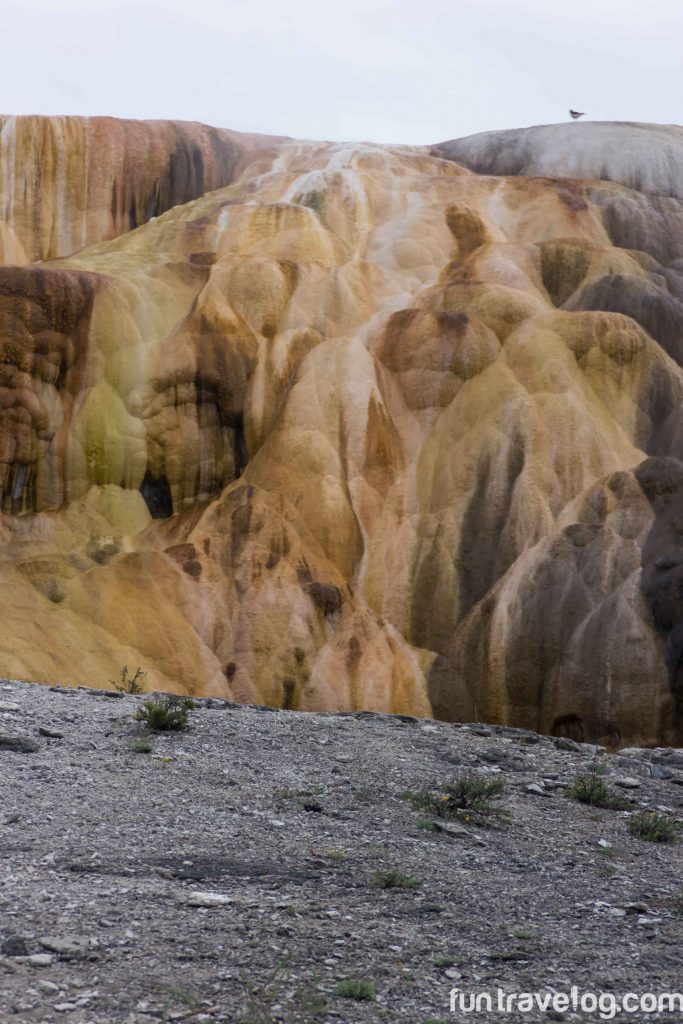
[{"x": 576, "y": 114}]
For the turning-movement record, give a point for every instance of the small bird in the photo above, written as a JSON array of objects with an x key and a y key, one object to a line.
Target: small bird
[{"x": 576, "y": 114}]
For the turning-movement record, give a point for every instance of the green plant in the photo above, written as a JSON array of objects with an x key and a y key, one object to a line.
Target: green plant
[
  {"x": 422, "y": 800},
  {"x": 592, "y": 789},
  {"x": 290, "y": 794},
  {"x": 651, "y": 826},
  {"x": 143, "y": 745},
  {"x": 394, "y": 878},
  {"x": 468, "y": 798},
  {"x": 179, "y": 995},
  {"x": 362, "y": 988},
  {"x": 426, "y": 825},
  {"x": 130, "y": 684},
  {"x": 170, "y": 714},
  {"x": 444, "y": 961},
  {"x": 473, "y": 794}
]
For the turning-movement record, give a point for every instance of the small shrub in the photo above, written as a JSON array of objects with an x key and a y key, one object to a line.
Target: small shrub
[
  {"x": 422, "y": 800},
  {"x": 130, "y": 684},
  {"x": 170, "y": 714},
  {"x": 363, "y": 988},
  {"x": 143, "y": 745},
  {"x": 468, "y": 798},
  {"x": 654, "y": 827},
  {"x": 444, "y": 961},
  {"x": 394, "y": 878},
  {"x": 426, "y": 825},
  {"x": 592, "y": 789},
  {"x": 473, "y": 794}
]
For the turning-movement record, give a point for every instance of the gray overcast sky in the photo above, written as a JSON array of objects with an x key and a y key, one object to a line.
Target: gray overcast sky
[{"x": 414, "y": 71}]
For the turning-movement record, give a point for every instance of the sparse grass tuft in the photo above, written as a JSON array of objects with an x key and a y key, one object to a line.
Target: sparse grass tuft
[
  {"x": 362, "y": 989},
  {"x": 592, "y": 789},
  {"x": 651, "y": 826},
  {"x": 394, "y": 878},
  {"x": 143, "y": 745},
  {"x": 170, "y": 714},
  {"x": 179, "y": 995},
  {"x": 273, "y": 1001},
  {"x": 292, "y": 794},
  {"x": 421, "y": 800},
  {"x": 130, "y": 684}
]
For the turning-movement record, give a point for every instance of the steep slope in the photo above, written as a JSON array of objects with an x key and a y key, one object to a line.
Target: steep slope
[{"x": 362, "y": 429}]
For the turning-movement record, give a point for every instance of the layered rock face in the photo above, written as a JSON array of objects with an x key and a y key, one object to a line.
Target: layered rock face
[
  {"x": 66, "y": 182},
  {"x": 367, "y": 427}
]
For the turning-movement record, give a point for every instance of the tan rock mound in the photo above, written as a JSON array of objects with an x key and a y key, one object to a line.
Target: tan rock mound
[{"x": 360, "y": 429}]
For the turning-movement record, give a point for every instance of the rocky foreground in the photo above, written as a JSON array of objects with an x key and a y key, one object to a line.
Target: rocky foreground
[{"x": 236, "y": 871}]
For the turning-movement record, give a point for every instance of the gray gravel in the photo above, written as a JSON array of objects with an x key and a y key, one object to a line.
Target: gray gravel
[{"x": 229, "y": 874}]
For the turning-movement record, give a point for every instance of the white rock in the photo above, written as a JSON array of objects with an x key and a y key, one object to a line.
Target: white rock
[
  {"x": 41, "y": 959},
  {"x": 207, "y": 899},
  {"x": 67, "y": 945},
  {"x": 627, "y": 783},
  {"x": 47, "y": 986}
]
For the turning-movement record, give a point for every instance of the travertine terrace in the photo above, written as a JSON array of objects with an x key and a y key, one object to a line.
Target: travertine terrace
[{"x": 334, "y": 426}]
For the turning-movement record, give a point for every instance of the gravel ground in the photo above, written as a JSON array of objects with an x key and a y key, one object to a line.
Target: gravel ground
[{"x": 231, "y": 873}]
